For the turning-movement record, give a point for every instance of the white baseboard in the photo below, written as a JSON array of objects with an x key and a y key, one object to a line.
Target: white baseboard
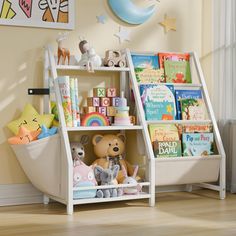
[{"x": 18, "y": 194}]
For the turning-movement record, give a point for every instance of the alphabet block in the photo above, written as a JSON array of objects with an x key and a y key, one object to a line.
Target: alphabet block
[
  {"x": 115, "y": 101},
  {"x": 111, "y": 111},
  {"x": 105, "y": 102},
  {"x": 111, "y": 92},
  {"x": 102, "y": 110},
  {"x": 99, "y": 92},
  {"x": 93, "y": 102},
  {"x": 89, "y": 109}
]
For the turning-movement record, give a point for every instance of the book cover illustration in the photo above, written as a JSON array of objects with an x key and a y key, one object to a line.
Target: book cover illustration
[
  {"x": 158, "y": 101},
  {"x": 185, "y": 94},
  {"x": 163, "y": 132},
  {"x": 198, "y": 144},
  {"x": 163, "y": 56},
  {"x": 193, "y": 128},
  {"x": 73, "y": 102},
  {"x": 167, "y": 149},
  {"x": 193, "y": 109},
  {"x": 147, "y": 69},
  {"x": 177, "y": 72},
  {"x": 64, "y": 86}
]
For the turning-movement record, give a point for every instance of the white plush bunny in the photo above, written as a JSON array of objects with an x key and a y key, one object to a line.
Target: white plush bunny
[{"x": 131, "y": 180}]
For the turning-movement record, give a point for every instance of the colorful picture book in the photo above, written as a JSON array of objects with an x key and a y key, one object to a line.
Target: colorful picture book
[
  {"x": 167, "y": 149},
  {"x": 185, "y": 94},
  {"x": 163, "y": 56},
  {"x": 158, "y": 101},
  {"x": 163, "y": 132},
  {"x": 197, "y": 144},
  {"x": 147, "y": 69},
  {"x": 193, "y": 109},
  {"x": 177, "y": 72},
  {"x": 195, "y": 128}
]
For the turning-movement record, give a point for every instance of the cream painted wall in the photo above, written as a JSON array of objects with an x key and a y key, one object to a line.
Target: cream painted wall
[{"x": 22, "y": 52}]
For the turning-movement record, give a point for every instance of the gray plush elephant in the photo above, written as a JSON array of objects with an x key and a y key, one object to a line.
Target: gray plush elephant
[{"x": 106, "y": 177}]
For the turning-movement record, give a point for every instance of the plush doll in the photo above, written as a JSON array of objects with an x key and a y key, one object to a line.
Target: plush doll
[
  {"x": 77, "y": 149},
  {"x": 106, "y": 177},
  {"x": 83, "y": 176},
  {"x": 109, "y": 149}
]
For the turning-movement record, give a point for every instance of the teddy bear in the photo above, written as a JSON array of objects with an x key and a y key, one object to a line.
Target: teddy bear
[{"x": 109, "y": 149}]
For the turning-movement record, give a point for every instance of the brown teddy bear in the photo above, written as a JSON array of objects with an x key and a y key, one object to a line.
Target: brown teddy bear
[{"x": 109, "y": 149}]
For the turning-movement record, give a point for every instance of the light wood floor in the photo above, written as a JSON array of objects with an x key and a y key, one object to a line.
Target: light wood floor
[{"x": 179, "y": 214}]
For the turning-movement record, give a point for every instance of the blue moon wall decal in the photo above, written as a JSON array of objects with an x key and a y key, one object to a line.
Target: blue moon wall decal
[{"x": 127, "y": 11}]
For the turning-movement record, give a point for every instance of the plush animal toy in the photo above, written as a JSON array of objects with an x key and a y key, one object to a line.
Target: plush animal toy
[
  {"x": 109, "y": 149},
  {"x": 107, "y": 177},
  {"x": 83, "y": 176},
  {"x": 77, "y": 149}
]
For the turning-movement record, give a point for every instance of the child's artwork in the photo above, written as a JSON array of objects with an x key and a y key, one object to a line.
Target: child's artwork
[
  {"x": 198, "y": 144},
  {"x": 158, "y": 102},
  {"x": 38, "y": 13}
]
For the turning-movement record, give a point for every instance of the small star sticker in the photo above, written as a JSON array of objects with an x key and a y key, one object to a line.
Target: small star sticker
[
  {"x": 169, "y": 109},
  {"x": 168, "y": 24},
  {"x": 123, "y": 34},
  {"x": 101, "y": 19},
  {"x": 45, "y": 132},
  {"x": 24, "y": 136}
]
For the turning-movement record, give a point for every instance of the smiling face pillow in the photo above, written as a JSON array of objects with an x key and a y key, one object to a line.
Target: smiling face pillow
[{"x": 31, "y": 120}]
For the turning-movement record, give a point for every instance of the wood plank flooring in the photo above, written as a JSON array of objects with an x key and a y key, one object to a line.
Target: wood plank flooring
[{"x": 179, "y": 214}]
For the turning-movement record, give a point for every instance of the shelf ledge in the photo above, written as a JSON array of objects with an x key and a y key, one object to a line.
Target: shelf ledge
[
  {"x": 187, "y": 158},
  {"x": 94, "y": 128},
  {"x": 178, "y": 121}
]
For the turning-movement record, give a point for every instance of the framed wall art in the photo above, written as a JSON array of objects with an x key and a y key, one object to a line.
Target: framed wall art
[{"x": 58, "y": 14}]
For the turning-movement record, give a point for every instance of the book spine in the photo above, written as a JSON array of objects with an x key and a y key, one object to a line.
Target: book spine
[
  {"x": 64, "y": 85},
  {"x": 77, "y": 103},
  {"x": 73, "y": 102}
]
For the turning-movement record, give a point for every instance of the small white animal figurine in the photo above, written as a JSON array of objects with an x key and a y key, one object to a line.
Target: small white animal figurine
[
  {"x": 62, "y": 51},
  {"x": 94, "y": 60},
  {"x": 131, "y": 180},
  {"x": 77, "y": 149}
]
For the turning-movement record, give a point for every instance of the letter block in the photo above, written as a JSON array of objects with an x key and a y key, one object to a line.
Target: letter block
[
  {"x": 115, "y": 101},
  {"x": 105, "y": 102},
  {"x": 99, "y": 92},
  {"x": 93, "y": 102},
  {"x": 89, "y": 109},
  {"x": 102, "y": 110},
  {"x": 111, "y": 92},
  {"x": 111, "y": 111}
]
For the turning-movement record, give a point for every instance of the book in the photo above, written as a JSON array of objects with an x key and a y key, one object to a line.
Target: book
[
  {"x": 197, "y": 144},
  {"x": 163, "y": 132},
  {"x": 177, "y": 71},
  {"x": 163, "y": 56},
  {"x": 167, "y": 149},
  {"x": 183, "y": 94},
  {"x": 64, "y": 86},
  {"x": 194, "y": 128},
  {"x": 77, "y": 103},
  {"x": 73, "y": 102},
  {"x": 158, "y": 101},
  {"x": 147, "y": 69},
  {"x": 193, "y": 109}
]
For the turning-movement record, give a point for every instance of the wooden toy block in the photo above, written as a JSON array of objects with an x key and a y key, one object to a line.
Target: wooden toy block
[
  {"x": 93, "y": 102},
  {"x": 102, "y": 110},
  {"x": 132, "y": 119},
  {"x": 99, "y": 92},
  {"x": 111, "y": 111},
  {"x": 111, "y": 92},
  {"x": 105, "y": 102},
  {"x": 115, "y": 101},
  {"x": 89, "y": 109}
]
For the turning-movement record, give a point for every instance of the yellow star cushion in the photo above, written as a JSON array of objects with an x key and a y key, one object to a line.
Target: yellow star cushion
[{"x": 31, "y": 120}]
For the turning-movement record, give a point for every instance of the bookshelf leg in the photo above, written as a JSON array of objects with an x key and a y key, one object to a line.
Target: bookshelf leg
[
  {"x": 69, "y": 209},
  {"x": 45, "y": 199},
  {"x": 222, "y": 194}
]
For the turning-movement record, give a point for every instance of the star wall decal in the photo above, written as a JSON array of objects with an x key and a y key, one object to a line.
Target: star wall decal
[
  {"x": 168, "y": 23},
  {"x": 45, "y": 132},
  {"x": 123, "y": 34},
  {"x": 101, "y": 19}
]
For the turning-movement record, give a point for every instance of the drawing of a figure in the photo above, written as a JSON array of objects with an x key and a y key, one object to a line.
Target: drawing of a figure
[{"x": 54, "y": 10}]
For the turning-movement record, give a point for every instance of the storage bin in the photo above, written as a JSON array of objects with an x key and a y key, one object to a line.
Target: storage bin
[
  {"x": 40, "y": 161},
  {"x": 186, "y": 170}
]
